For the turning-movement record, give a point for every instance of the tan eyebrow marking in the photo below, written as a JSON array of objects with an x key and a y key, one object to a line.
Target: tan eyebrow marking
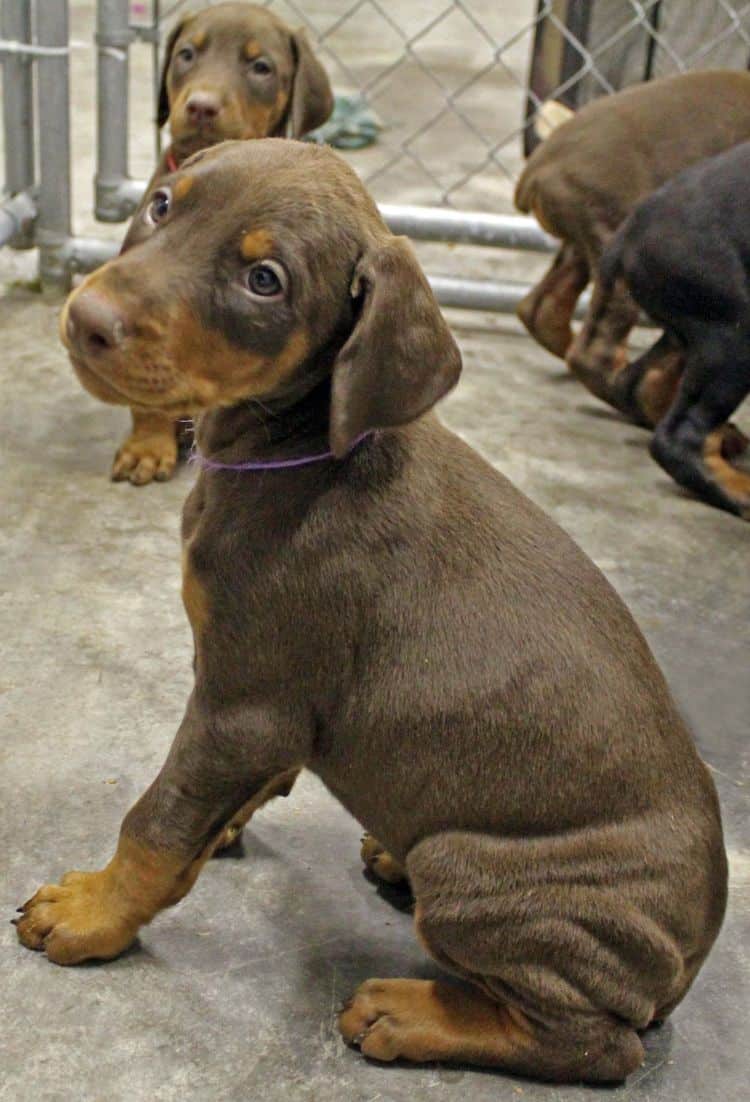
[
  {"x": 252, "y": 49},
  {"x": 183, "y": 186},
  {"x": 199, "y": 39},
  {"x": 255, "y": 244}
]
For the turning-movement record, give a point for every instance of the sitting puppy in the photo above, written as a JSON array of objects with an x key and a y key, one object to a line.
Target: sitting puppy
[
  {"x": 683, "y": 256},
  {"x": 364, "y": 589},
  {"x": 584, "y": 180},
  {"x": 231, "y": 71}
]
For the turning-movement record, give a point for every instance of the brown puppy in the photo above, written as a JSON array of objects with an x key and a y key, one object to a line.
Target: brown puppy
[
  {"x": 395, "y": 616},
  {"x": 231, "y": 71},
  {"x": 583, "y": 181}
]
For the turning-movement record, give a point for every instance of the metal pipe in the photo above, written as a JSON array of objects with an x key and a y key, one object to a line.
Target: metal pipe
[
  {"x": 17, "y": 216},
  {"x": 505, "y": 231},
  {"x": 18, "y": 103},
  {"x": 53, "y": 111},
  {"x": 474, "y": 294},
  {"x": 113, "y": 37}
]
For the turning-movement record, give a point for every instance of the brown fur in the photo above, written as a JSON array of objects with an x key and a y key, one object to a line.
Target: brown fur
[
  {"x": 296, "y": 97},
  {"x": 404, "y": 605},
  {"x": 583, "y": 181}
]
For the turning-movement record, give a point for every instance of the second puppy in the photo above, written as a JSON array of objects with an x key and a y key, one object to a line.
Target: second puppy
[{"x": 232, "y": 71}]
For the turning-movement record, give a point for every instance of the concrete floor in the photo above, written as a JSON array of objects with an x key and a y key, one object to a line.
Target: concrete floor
[{"x": 232, "y": 995}]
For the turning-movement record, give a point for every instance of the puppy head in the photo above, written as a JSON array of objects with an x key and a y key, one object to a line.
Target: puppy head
[
  {"x": 236, "y": 71},
  {"x": 252, "y": 272}
]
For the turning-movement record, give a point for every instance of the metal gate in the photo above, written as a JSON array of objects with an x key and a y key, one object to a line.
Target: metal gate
[{"x": 456, "y": 86}]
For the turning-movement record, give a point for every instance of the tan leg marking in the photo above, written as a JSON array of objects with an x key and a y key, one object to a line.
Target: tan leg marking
[
  {"x": 423, "y": 1020},
  {"x": 733, "y": 441},
  {"x": 733, "y": 482},
  {"x": 548, "y": 308},
  {"x": 656, "y": 391},
  {"x": 279, "y": 786},
  {"x": 380, "y": 862},
  {"x": 96, "y": 915},
  {"x": 149, "y": 453}
]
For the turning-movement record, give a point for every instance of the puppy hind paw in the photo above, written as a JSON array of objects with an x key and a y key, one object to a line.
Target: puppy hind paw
[{"x": 380, "y": 862}]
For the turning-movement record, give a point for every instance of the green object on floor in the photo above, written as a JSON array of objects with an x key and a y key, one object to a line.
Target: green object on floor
[{"x": 353, "y": 125}]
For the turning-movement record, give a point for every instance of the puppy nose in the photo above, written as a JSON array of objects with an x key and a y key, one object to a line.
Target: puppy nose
[
  {"x": 94, "y": 324},
  {"x": 202, "y": 107}
]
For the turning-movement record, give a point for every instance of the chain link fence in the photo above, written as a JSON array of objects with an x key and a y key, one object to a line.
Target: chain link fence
[{"x": 455, "y": 87}]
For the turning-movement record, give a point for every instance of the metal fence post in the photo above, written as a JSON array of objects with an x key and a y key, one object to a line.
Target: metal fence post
[
  {"x": 18, "y": 106},
  {"x": 53, "y": 228},
  {"x": 115, "y": 199}
]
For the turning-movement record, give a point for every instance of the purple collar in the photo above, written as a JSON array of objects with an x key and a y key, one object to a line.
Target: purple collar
[{"x": 270, "y": 464}]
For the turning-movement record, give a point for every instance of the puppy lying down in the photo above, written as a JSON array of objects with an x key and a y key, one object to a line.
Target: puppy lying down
[{"x": 372, "y": 601}]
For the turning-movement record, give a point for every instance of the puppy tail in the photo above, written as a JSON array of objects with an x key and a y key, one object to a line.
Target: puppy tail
[{"x": 549, "y": 117}]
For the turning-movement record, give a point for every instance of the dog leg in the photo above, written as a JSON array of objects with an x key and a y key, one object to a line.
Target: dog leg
[
  {"x": 280, "y": 786},
  {"x": 692, "y": 442},
  {"x": 599, "y": 353},
  {"x": 149, "y": 453},
  {"x": 646, "y": 388},
  {"x": 566, "y": 965},
  {"x": 380, "y": 862},
  {"x": 165, "y": 840},
  {"x": 548, "y": 308}
]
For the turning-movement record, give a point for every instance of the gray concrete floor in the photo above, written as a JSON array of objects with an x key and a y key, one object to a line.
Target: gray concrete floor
[{"x": 232, "y": 995}]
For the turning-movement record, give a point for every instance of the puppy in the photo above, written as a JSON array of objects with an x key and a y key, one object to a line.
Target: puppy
[
  {"x": 369, "y": 599},
  {"x": 583, "y": 181},
  {"x": 233, "y": 71},
  {"x": 683, "y": 257}
]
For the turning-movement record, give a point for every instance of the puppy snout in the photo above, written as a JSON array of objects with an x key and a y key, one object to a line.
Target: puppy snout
[
  {"x": 202, "y": 107},
  {"x": 94, "y": 325}
]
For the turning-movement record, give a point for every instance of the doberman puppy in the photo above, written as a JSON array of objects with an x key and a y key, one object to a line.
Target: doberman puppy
[
  {"x": 684, "y": 257},
  {"x": 371, "y": 600},
  {"x": 584, "y": 180},
  {"x": 230, "y": 71}
]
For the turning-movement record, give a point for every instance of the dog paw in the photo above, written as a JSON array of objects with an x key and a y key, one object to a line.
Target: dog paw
[
  {"x": 391, "y": 1019},
  {"x": 229, "y": 835},
  {"x": 380, "y": 862},
  {"x": 144, "y": 459},
  {"x": 75, "y": 920}
]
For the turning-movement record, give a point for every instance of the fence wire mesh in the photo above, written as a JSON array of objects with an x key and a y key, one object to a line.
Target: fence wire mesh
[{"x": 455, "y": 84}]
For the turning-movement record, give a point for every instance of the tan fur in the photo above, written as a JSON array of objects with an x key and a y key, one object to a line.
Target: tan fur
[
  {"x": 424, "y": 1020},
  {"x": 257, "y": 244},
  {"x": 735, "y": 482},
  {"x": 182, "y": 187}
]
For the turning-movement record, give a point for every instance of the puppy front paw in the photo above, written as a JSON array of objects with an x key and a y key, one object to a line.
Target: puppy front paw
[
  {"x": 75, "y": 920},
  {"x": 146, "y": 457}
]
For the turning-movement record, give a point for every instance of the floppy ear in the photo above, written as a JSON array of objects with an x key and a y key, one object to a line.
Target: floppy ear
[
  {"x": 400, "y": 357},
  {"x": 162, "y": 103},
  {"x": 311, "y": 100}
]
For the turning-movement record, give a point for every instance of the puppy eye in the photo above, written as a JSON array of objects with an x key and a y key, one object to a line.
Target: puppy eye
[
  {"x": 260, "y": 67},
  {"x": 187, "y": 53},
  {"x": 266, "y": 279},
  {"x": 158, "y": 208}
]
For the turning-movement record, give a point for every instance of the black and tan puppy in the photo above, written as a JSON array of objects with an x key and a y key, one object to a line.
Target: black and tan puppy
[
  {"x": 684, "y": 257},
  {"x": 583, "y": 181},
  {"x": 233, "y": 71},
  {"x": 379, "y": 605}
]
